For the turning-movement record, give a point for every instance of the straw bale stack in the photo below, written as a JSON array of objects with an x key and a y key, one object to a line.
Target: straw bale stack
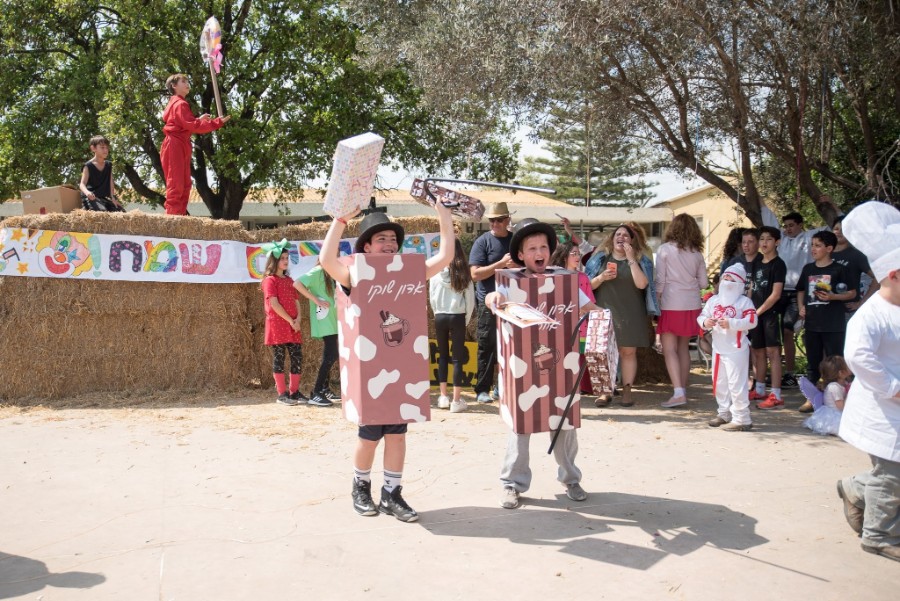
[{"x": 68, "y": 337}]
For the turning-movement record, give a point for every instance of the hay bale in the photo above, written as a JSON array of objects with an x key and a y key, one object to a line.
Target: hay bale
[
  {"x": 69, "y": 337},
  {"x": 133, "y": 223}
]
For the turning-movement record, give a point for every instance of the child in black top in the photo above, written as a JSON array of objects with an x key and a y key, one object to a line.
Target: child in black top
[
  {"x": 97, "y": 190},
  {"x": 766, "y": 287},
  {"x": 821, "y": 293}
]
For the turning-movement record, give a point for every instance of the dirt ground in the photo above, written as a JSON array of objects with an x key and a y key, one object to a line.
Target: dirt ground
[{"x": 214, "y": 496}]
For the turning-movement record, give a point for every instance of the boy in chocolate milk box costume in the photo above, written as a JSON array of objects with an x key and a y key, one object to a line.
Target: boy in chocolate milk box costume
[
  {"x": 383, "y": 348},
  {"x": 534, "y": 389}
]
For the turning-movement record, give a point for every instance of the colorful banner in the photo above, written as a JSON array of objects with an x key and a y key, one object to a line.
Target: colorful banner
[{"x": 53, "y": 254}]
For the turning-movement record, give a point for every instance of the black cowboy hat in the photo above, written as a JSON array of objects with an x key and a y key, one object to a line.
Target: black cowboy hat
[
  {"x": 526, "y": 228},
  {"x": 374, "y": 223}
]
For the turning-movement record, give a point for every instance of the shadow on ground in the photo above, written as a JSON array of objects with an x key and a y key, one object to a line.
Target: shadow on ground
[
  {"x": 665, "y": 527},
  {"x": 21, "y": 576}
]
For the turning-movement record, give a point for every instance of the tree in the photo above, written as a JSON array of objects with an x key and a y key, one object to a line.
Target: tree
[
  {"x": 291, "y": 80},
  {"x": 690, "y": 78},
  {"x": 587, "y": 166}
]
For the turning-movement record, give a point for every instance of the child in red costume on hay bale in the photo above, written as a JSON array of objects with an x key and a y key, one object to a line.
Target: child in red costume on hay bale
[{"x": 175, "y": 154}]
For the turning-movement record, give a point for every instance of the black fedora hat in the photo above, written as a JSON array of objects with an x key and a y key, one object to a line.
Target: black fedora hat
[
  {"x": 528, "y": 227},
  {"x": 374, "y": 223}
]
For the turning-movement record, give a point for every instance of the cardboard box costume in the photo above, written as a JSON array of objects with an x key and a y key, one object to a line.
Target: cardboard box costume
[
  {"x": 538, "y": 366},
  {"x": 600, "y": 351},
  {"x": 383, "y": 340}
]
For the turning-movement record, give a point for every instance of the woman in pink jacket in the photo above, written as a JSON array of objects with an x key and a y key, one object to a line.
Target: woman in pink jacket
[
  {"x": 680, "y": 275},
  {"x": 175, "y": 153}
]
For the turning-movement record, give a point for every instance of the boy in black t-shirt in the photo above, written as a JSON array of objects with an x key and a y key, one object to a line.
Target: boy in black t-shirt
[
  {"x": 98, "y": 193},
  {"x": 767, "y": 284},
  {"x": 855, "y": 266},
  {"x": 821, "y": 293}
]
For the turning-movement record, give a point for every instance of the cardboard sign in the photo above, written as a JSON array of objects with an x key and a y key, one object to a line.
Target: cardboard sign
[
  {"x": 467, "y": 208},
  {"x": 600, "y": 352},
  {"x": 58, "y": 199},
  {"x": 353, "y": 175},
  {"x": 538, "y": 366},
  {"x": 383, "y": 340}
]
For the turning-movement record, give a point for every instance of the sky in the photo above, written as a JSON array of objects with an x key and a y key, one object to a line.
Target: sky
[{"x": 668, "y": 184}]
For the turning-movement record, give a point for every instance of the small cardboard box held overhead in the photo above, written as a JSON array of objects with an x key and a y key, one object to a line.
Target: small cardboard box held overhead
[
  {"x": 353, "y": 175},
  {"x": 56, "y": 199}
]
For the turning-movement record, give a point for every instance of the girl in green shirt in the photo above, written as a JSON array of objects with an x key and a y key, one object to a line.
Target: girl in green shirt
[{"x": 319, "y": 289}]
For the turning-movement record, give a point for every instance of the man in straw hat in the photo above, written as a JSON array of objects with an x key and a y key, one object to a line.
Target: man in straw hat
[
  {"x": 378, "y": 234},
  {"x": 531, "y": 247},
  {"x": 489, "y": 253},
  {"x": 871, "y": 418}
]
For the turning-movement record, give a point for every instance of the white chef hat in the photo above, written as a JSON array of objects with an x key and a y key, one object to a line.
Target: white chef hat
[{"x": 874, "y": 228}]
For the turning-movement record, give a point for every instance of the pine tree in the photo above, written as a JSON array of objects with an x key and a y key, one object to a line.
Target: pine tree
[{"x": 587, "y": 167}]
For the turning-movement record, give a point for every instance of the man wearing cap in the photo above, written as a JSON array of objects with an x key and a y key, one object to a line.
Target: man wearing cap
[
  {"x": 489, "y": 253},
  {"x": 871, "y": 417},
  {"x": 531, "y": 247}
]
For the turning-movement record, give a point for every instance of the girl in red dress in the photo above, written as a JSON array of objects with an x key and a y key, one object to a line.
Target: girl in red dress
[{"x": 282, "y": 321}]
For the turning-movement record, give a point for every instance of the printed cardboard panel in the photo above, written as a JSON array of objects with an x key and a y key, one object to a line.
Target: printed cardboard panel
[
  {"x": 600, "y": 352},
  {"x": 468, "y": 208},
  {"x": 353, "y": 174},
  {"x": 538, "y": 365},
  {"x": 57, "y": 199},
  {"x": 383, "y": 340}
]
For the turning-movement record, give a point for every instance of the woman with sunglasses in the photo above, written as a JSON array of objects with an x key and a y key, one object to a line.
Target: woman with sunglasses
[{"x": 620, "y": 275}]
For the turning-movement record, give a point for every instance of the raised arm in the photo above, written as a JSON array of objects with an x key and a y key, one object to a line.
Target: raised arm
[
  {"x": 435, "y": 264},
  {"x": 328, "y": 256}
]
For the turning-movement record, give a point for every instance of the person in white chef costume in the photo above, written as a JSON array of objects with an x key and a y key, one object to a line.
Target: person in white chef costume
[{"x": 871, "y": 420}]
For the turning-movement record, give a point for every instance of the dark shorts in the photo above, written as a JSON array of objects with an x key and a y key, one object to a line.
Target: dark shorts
[
  {"x": 789, "y": 312},
  {"x": 376, "y": 433},
  {"x": 767, "y": 333}
]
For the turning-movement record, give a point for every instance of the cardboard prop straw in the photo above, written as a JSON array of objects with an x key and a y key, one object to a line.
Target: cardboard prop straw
[
  {"x": 574, "y": 338},
  {"x": 211, "y": 51}
]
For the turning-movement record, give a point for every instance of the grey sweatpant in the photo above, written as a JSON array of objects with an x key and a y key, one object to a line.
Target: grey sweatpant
[
  {"x": 877, "y": 493},
  {"x": 516, "y": 472}
]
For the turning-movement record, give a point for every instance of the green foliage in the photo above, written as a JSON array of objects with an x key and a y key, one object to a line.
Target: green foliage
[
  {"x": 713, "y": 84},
  {"x": 291, "y": 80}
]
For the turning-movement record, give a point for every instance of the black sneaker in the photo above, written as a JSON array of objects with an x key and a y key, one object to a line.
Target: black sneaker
[
  {"x": 789, "y": 381},
  {"x": 299, "y": 398},
  {"x": 285, "y": 399},
  {"x": 392, "y": 503},
  {"x": 328, "y": 394},
  {"x": 362, "y": 498},
  {"x": 318, "y": 400}
]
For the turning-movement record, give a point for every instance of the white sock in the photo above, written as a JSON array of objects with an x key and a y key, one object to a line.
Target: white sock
[
  {"x": 761, "y": 387},
  {"x": 392, "y": 480},
  {"x": 680, "y": 392},
  {"x": 777, "y": 393},
  {"x": 362, "y": 475}
]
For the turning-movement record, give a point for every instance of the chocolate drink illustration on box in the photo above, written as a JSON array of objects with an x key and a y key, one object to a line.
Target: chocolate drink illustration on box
[
  {"x": 545, "y": 357},
  {"x": 393, "y": 328}
]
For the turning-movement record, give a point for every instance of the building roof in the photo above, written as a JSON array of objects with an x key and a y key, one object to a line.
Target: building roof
[{"x": 259, "y": 207}]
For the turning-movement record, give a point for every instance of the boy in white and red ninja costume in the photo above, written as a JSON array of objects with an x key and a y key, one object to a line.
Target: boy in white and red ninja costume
[{"x": 729, "y": 315}]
